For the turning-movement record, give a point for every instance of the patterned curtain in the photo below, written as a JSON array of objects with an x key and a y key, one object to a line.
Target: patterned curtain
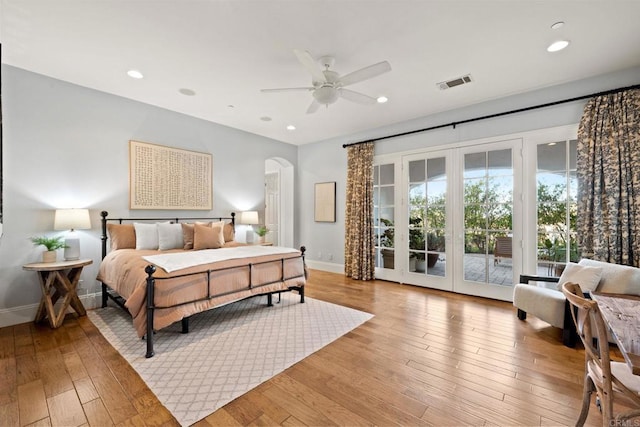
[
  {"x": 609, "y": 178},
  {"x": 359, "y": 249}
]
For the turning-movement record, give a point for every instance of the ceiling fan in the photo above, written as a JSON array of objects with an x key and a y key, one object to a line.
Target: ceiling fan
[{"x": 328, "y": 86}]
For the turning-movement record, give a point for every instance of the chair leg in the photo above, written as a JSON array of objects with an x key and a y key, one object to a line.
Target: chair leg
[
  {"x": 586, "y": 400},
  {"x": 522, "y": 315}
]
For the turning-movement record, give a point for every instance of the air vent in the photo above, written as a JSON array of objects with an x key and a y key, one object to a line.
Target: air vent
[{"x": 455, "y": 82}]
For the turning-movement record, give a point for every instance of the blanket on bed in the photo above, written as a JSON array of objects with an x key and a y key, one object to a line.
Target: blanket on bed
[{"x": 175, "y": 261}]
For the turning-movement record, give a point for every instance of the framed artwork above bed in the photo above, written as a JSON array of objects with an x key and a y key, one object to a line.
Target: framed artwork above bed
[{"x": 163, "y": 177}]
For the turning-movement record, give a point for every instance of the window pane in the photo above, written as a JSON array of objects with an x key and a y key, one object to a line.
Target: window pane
[
  {"x": 499, "y": 162},
  {"x": 552, "y": 156},
  {"x": 475, "y": 165},
  {"x": 387, "y": 196},
  {"x": 416, "y": 171},
  {"x": 386, "y": 174},
  {"x": 500, "y": 189},
  {"x": 475, "y": 190},
  {"x": 436, "y": 169}
]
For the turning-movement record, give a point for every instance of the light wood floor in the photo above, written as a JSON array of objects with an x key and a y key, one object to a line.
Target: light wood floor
[{"x": 426, "y": 358}]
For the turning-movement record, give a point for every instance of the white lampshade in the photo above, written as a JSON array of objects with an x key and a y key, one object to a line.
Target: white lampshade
[
  {"x": 72, "y": 219},
  {"x": 249, "y": 218}
]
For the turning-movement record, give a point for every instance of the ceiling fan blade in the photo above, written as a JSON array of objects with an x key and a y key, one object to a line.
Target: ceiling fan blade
[
  {"x": 287, "y": 89},
  {"x": 313, "y": 107},
  {"x": 365, "y": 73},
  {"x": 358, "y": 97},
  {"x": 310, "y": 64}
]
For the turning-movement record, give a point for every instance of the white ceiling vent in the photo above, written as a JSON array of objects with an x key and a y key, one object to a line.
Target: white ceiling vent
[{"x": 455, "y": 82}]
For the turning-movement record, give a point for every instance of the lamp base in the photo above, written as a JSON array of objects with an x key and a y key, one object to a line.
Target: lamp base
[
  {"x": 72, "y": 250},
  {"x": 249, "y": 236}
]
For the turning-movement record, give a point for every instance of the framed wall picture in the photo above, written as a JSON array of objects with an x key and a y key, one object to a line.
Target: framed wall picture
[
  {"x": 169, "y": 178},
  {"x": 325, "y": 202}
]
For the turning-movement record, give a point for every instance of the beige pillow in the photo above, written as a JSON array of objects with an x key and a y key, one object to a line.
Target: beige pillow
[
  {"x": 187, "y": 235},
  {"x": 122, "y": 236},
  {"x": 205, "y": 237},
  {"x": 587, "y": 277},
  {"x": 227, "y": 230}
]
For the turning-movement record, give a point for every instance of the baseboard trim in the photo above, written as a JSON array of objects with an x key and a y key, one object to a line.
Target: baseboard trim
[
  {"x": 26, "y": 313},
  {"x": 325, "y": 266}
]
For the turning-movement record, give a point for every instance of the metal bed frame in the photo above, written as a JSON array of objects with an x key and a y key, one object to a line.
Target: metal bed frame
[{"x": 151, "y": 269}]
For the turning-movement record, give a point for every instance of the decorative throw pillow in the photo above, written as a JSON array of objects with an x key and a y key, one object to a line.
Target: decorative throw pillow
[
  {"x": 170, "y": 236},
  {"x": 587, "y": 277},
  {"x": 146, "y": 235},
  {"x": 227, "y": 230},
  {"x": 122, "y": 236},
  {"x": 205, "y": 237},
  {"x": 187, "y": 235}
]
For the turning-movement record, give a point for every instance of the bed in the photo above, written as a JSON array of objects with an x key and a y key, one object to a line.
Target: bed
[{"x": 161, "y": 277}]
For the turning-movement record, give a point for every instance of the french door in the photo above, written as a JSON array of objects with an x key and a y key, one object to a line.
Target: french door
[
  {"x": 488, "y": 219},
  {"x": 453, "y": 219}
]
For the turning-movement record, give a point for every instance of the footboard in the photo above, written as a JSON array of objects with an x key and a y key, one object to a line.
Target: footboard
[{"x": 151, "y": 283}]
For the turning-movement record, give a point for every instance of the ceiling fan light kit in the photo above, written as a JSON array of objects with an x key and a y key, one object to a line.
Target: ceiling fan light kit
[{"x": 328, "y": 86}]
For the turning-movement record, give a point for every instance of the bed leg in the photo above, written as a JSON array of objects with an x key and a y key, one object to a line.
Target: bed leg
[
  {"x": 150, "y": 269},
  {"x": 269, "y": 300},
  {"x": 105, "y": 295},
  {"x": 301, "y": 294},
  {"x": 185, "y": 325}
]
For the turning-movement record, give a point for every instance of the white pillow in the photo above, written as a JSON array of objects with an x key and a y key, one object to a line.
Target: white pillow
[
  {"x": 146, "y": 235},
  {"x": 170, "y": 236},
  {"x": 587, "y": 277}
]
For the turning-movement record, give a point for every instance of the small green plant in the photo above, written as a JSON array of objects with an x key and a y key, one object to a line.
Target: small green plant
[
  {"x": 262, "y": 231},
  {"x": 51, "y": 243}
]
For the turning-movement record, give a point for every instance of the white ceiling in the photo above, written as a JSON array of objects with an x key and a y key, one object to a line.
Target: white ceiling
[{"x": 227, "y": 50}]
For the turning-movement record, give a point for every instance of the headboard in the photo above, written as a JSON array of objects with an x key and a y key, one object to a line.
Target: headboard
[{"x": 104, "y": 220}]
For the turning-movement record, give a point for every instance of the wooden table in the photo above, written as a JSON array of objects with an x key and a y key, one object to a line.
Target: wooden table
[
  {"x": 621, "y": 313},
  {"x": 58, "y": 279}
]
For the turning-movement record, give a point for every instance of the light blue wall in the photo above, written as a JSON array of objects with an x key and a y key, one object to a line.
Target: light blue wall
[
  {"x": 327, "y": 160},
  {"x": 67, "y": 146}
]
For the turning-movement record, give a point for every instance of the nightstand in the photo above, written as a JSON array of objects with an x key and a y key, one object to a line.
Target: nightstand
[{"x": 58, "y": 280}]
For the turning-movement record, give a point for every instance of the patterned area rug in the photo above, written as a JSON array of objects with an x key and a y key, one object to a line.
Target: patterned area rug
[{"x": 228, "y": 351}]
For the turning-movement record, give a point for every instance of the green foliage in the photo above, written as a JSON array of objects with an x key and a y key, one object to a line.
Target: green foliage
[
  {"x": 262, "y": 231},
  {"x": 51, "y": 243},
  {"x": 386, "y": 240}
]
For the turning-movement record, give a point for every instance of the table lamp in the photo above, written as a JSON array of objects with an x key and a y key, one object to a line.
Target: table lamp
[
  {"x": 249, "y": 218},
  {"x": 72, "y": 219}
]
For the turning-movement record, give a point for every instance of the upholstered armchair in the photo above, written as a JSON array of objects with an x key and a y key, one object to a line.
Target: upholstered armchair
[{"x": 542, "y": 296}]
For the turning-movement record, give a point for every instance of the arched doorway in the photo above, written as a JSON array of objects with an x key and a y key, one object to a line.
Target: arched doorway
[{"x": 279, "y": 201}]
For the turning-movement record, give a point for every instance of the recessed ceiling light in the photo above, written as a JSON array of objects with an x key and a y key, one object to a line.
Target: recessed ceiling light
[
  {"x": 135, "y": 74},
  {"x": 231, "y": 106},
  {"x": 382, "y": 99},
  {"x": 557, "y": 45},
  {"x": 557, "y": 25},
  {"x": 187, "y": 92},
  {"x": 291, "y": 127},
  {"x": 265, "y": 118}
]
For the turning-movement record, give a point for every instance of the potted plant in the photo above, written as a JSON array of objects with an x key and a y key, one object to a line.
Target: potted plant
[
  {"x": 262, "y": 232},
  {"x": 435, "y": 243},
  {"x": 386, "y": 241},
  {"x": 52, "y": 244}
]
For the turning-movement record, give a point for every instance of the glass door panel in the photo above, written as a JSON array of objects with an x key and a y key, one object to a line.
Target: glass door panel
[
  {"x": 486, "y": 220},
  {"x": 427, "y": 221}
]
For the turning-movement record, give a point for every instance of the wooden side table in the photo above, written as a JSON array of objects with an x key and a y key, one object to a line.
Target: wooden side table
[{"x": 58, "y": 280}]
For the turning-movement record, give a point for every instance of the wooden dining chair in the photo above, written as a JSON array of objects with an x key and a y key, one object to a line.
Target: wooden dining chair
[{"x": 612, "y": 381}]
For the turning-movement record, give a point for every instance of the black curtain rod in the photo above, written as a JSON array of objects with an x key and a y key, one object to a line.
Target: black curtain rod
[{"x": 491, "y": 116}]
